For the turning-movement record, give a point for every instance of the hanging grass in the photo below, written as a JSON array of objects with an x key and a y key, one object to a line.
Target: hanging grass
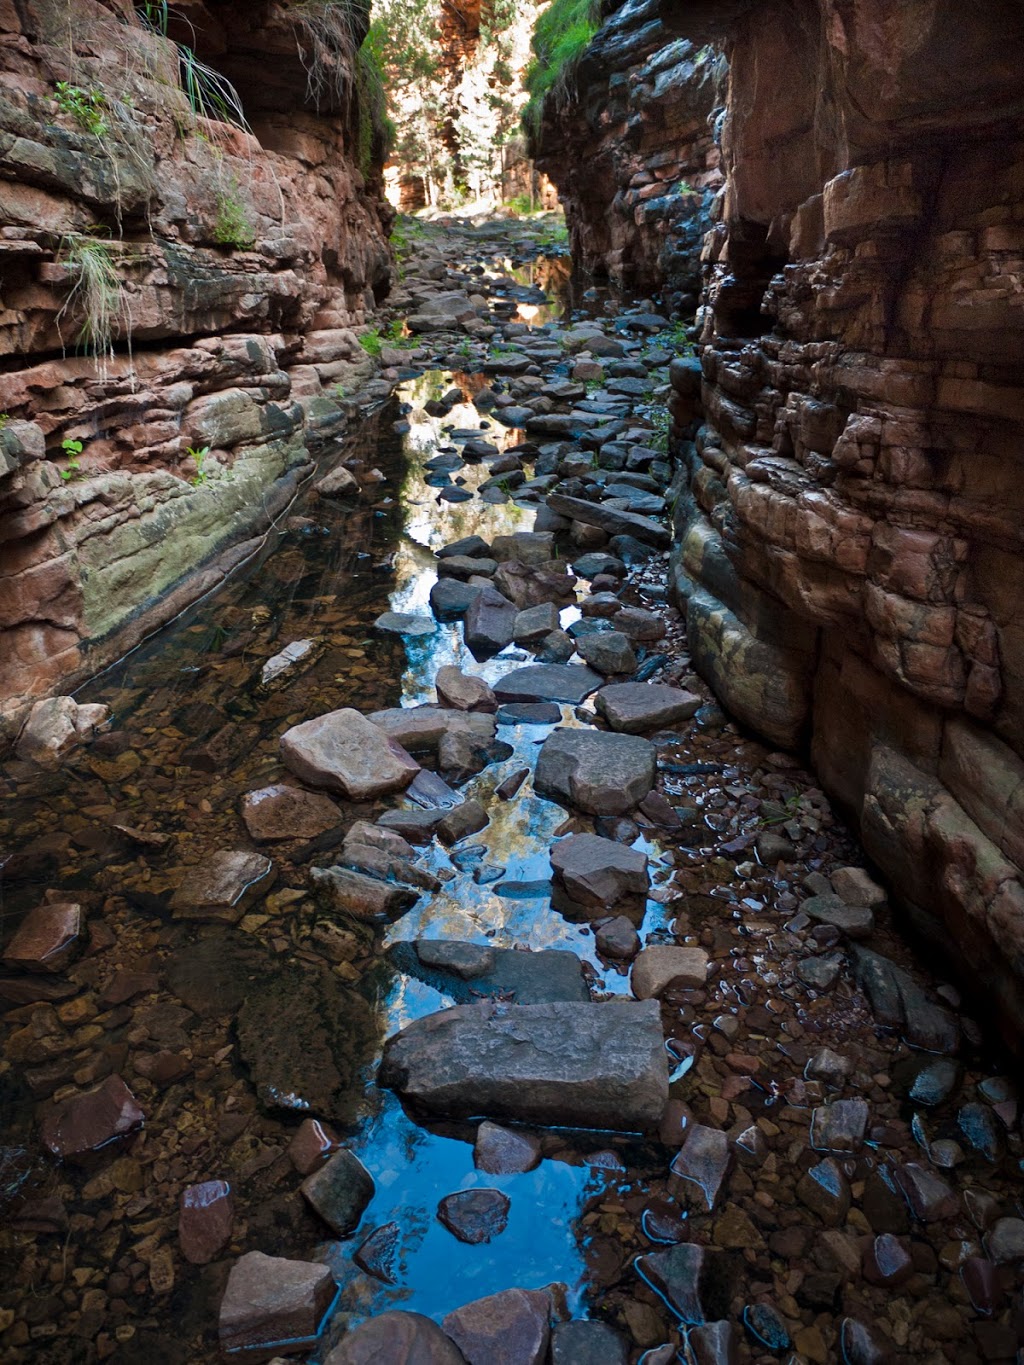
[
  {"x": 97, "y": 292},
  {"x": 560, "y": 37}
]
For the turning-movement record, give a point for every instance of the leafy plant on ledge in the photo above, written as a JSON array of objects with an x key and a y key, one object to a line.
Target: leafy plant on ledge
[
  {"x": 84, "y": 106},
  {"x": 233, "y": 227},
  {"x": 72, "y": 449},
  {"x": 200, "y": 477}
]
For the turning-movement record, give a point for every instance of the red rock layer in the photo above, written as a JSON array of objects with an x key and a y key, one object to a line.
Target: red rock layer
[{"x": 241, "y": 261}]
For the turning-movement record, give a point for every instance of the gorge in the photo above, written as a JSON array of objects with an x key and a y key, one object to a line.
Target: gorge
[{"x": 512, "y": 844}]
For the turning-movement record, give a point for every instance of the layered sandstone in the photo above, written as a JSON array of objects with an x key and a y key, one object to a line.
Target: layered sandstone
[
  {"x": 849, "y": 523},
  {"x": 631, "y": 147},
  {"x": 236, "y": 264}
]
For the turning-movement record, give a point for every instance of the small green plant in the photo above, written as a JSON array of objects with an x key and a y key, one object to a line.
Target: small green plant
[
  {"x": 372, "y": 342},
  {"x": 233, "y": 226},
  {"x": 86, "y": 107},
  {"x": 339, "y": 392},
  {"x": 200, "y": 477},
  {"x": 464, "y": 348},
  {"x": 72, "y": 449},
  {"x": 5, "y": 417},
  {"x": 560, "y": 37},
  {"x": 521, "y": 204},
  {"x": 156, "y": 14}
]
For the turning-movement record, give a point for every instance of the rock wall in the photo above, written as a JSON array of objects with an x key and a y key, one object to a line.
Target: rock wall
[
  {"x": 231, "y": 266},
  {"x": 631, "y": 147},
  {"x": 850, "y": 518}
]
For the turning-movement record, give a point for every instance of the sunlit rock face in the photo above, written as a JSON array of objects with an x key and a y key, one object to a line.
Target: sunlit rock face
[
  {"x": 632, "y": 149},
  {"x": 230, "y": 265},
  {"x": 849, "y": 542}
]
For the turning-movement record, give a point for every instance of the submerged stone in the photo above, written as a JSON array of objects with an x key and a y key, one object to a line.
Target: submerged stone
[
  {"x": 223, "y": 886},
  {"x": 83, "y": 1124},
  {"x": 339, "y": 1191},
  {"x": 283, "y": 812},
  {"x": 475, "y": 1216},
  {"x": 48, "y": 938}
]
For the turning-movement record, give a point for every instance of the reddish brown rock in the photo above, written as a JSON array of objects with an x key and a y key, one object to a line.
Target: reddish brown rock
[
  {"x": 271, "y": 1302},
  {"x": 396, "y": 1338},
  {"x": 205, "y": 1219},
  {"x": 312, "y": 1144},
  {"x": 505, "y": 1151},
  {"x": 223, "y": 886},
  {"x": 76, "y": 1128},
  {"x": 282, "y": 812},
  {"x": 47, "y": 939},
  {"x": 510, "y": 1328}
]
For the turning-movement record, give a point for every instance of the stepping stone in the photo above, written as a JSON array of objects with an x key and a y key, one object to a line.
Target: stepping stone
[
  {"x": 602, "y": 774},
  {"x": 343, "y": 751},
  {"x": 599, "y": 873},
  {"x": 206, "y": 1216},
  {"x": 450, "y": 599},
  {"x": 282, "y": 812},
  {"x": 505, "y": 1151},
  {"x": 547, "y": 682},
  {"x": 415, "y": 825},
  {"x": 379, "y": 1254},
  {"x": 469, "y": 817},
  {"x": 78, "y": 1126},
  {"x": 420, "y": 729},
  {"x": 617, "y": 939},
  {"x": 463, "y": 691},
  {"x": 222, "y": 887},
  {"x": 636, "y": 707},
  {"x": 529, "y": 713},
  {"x": 340, "y": 1191},
  {"x": 489, "y": 623},
  {"x": 616, "y": 521},
  {"x": 528, "y": 547},
  {"x": 465, "y": 567},
  {"x": 47, "y": 940},
  {"x": 396, "y": 1338},
  {"x": 475, "y": 1216},
  {"x": 475, "y": 547},
  {"x": 570, "y": 1065},
  {"x": 555, "y": 648},
  {"x": 664, "y": 965},
  {"x": 272, "y": 1304},
  {"x": 608, "y": 652},
  {"x": 432, "y": 793},
  {"x": 598, "y": 562},
  {"x": 469, "y": 971},
  {"x": 364, "y": 898},
  {"x": 404, "y": 623},
  {"x": 510, "y": 1328},
  {"x": 535, "y": 623},
  {"x": 696, "y": 1281},
  {"x": 312, "y": 1144}
]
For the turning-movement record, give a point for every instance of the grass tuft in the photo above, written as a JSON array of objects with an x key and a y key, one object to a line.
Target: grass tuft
[{"x": 560, "y": 37}]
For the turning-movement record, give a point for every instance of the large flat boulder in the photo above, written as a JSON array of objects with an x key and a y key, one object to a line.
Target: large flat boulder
[
  {"x": 273, "y": 1305},
  {"x": 396, "y": 1338},
  {"x": 566, "y": 1064},
  {"x": 343, "y": 751},
  {"x": 600, "y": 773},
  {"x": 420, "y": 729},
  {"x": 469, "y": 971},
  {"x": 634, "y": 708},
  {"x": 510, "y": 1328},
  {"x": 223, "y": 886},
  {"x": 615, "y": 521},
  {"x": 598, "y": 873},
  {"x": 547, "y": 682}
]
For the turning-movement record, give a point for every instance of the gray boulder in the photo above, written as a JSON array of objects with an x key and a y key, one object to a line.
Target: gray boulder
[{"x": 602, "y": 774}]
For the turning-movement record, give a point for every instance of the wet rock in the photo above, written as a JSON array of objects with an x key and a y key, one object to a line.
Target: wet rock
[
  {"x": 716, "y": 1343},
  {"x": 703, "y": 1163},
  {"x": 468, "y": 818},
  {"x": 465, "y": 567},
  {"x": 568, "y": 1064},
  {"x": 828, "y": 1066},
  {"x": 282, "y": 812},
  {"x": 663, "y": 965},
  {"x": 528, "y": 547},
  {"x": 587, "y": 1343},
  {"x": 223, "y": 886},
  {"x": 378, "y": 1254},
  {"x": 529, "y": 713},
  {"x": 887, "y": 1261},
  {"x": 856, "y": 921},
  {"x": 489, "y": 623},
  {"x": 339, "y": 483},
  {"x": 535, "y": 623},
  {"x": 862, "y": 1346},
  {"x": 774, "y": 848},
  {"x": 468, "y": 971},
  {"x": 617, "y": 939},
  {"x": 475, "y": 1216},
  {"x": 82, "y": 1124},
  {"x": 547, "y": 682},
  {"x": 510, "y": 1328},
  {"x": 602, "y": 774},
  {"x": 897, "y": 1000},
  {"x": 404, "y": 623},
  {"x": 934, "y": 1082},
  {"x": 415, "y": 825},
  {"x": 607, "y": 652},
  {"x": 295, "y": 657},
  {"x": 839, "y": 1126},
  {"x": 206, "y": 1216},
  {"x": 340, "y": 1191},
  {"x": 505, "y": 1151},
  {"x": 55, "y": 726},
  {"x": 462, "y": 691},
  {"x": 765, "y": 1326},
  {"x": 855, "y": 887},
  {"x": 342, "y": 751},
  {"x": 696, "y": 1281},
  {"x": 507, "y": 789},
  {"x": 361, "y": 897},
  {"x": 472, "y": 546},
  {"x": 312, "y": 1144},
  {"x": 597, "y": 562},
  {"x": 396, "y": 1338},
  {"x": 821, "y": 973},
  {"x": 556, "y": 648},
  {"x": 48, "y": 938},
  {"x": 598, "y": 873},
  {"x": 614, "y": 521},
  {"x": 422, "y": 729},
  {"x": 929, "y": 1198},
  {"x": 979, "y": 1127},
  {"x": 825, "y": 1191},
  {"x": 981, "y": 1280},
  {"x": 273, "y": 1302},
  {"x": 1004, "y": 1241},
  {"x": 451, "y": 599}
]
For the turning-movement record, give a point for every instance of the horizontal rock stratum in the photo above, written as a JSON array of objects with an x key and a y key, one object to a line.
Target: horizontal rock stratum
[{"x": 569, "y": 1064}]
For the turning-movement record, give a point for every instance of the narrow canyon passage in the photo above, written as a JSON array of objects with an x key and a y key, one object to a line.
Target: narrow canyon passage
[{"x": 511, "y": 707}]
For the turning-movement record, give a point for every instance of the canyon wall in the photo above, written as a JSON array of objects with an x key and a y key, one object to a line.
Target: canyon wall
[
  {"x": 630, "y": 143},
  {"x": 850, "y": 512},
  {"x": 217, "y": 271}
]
